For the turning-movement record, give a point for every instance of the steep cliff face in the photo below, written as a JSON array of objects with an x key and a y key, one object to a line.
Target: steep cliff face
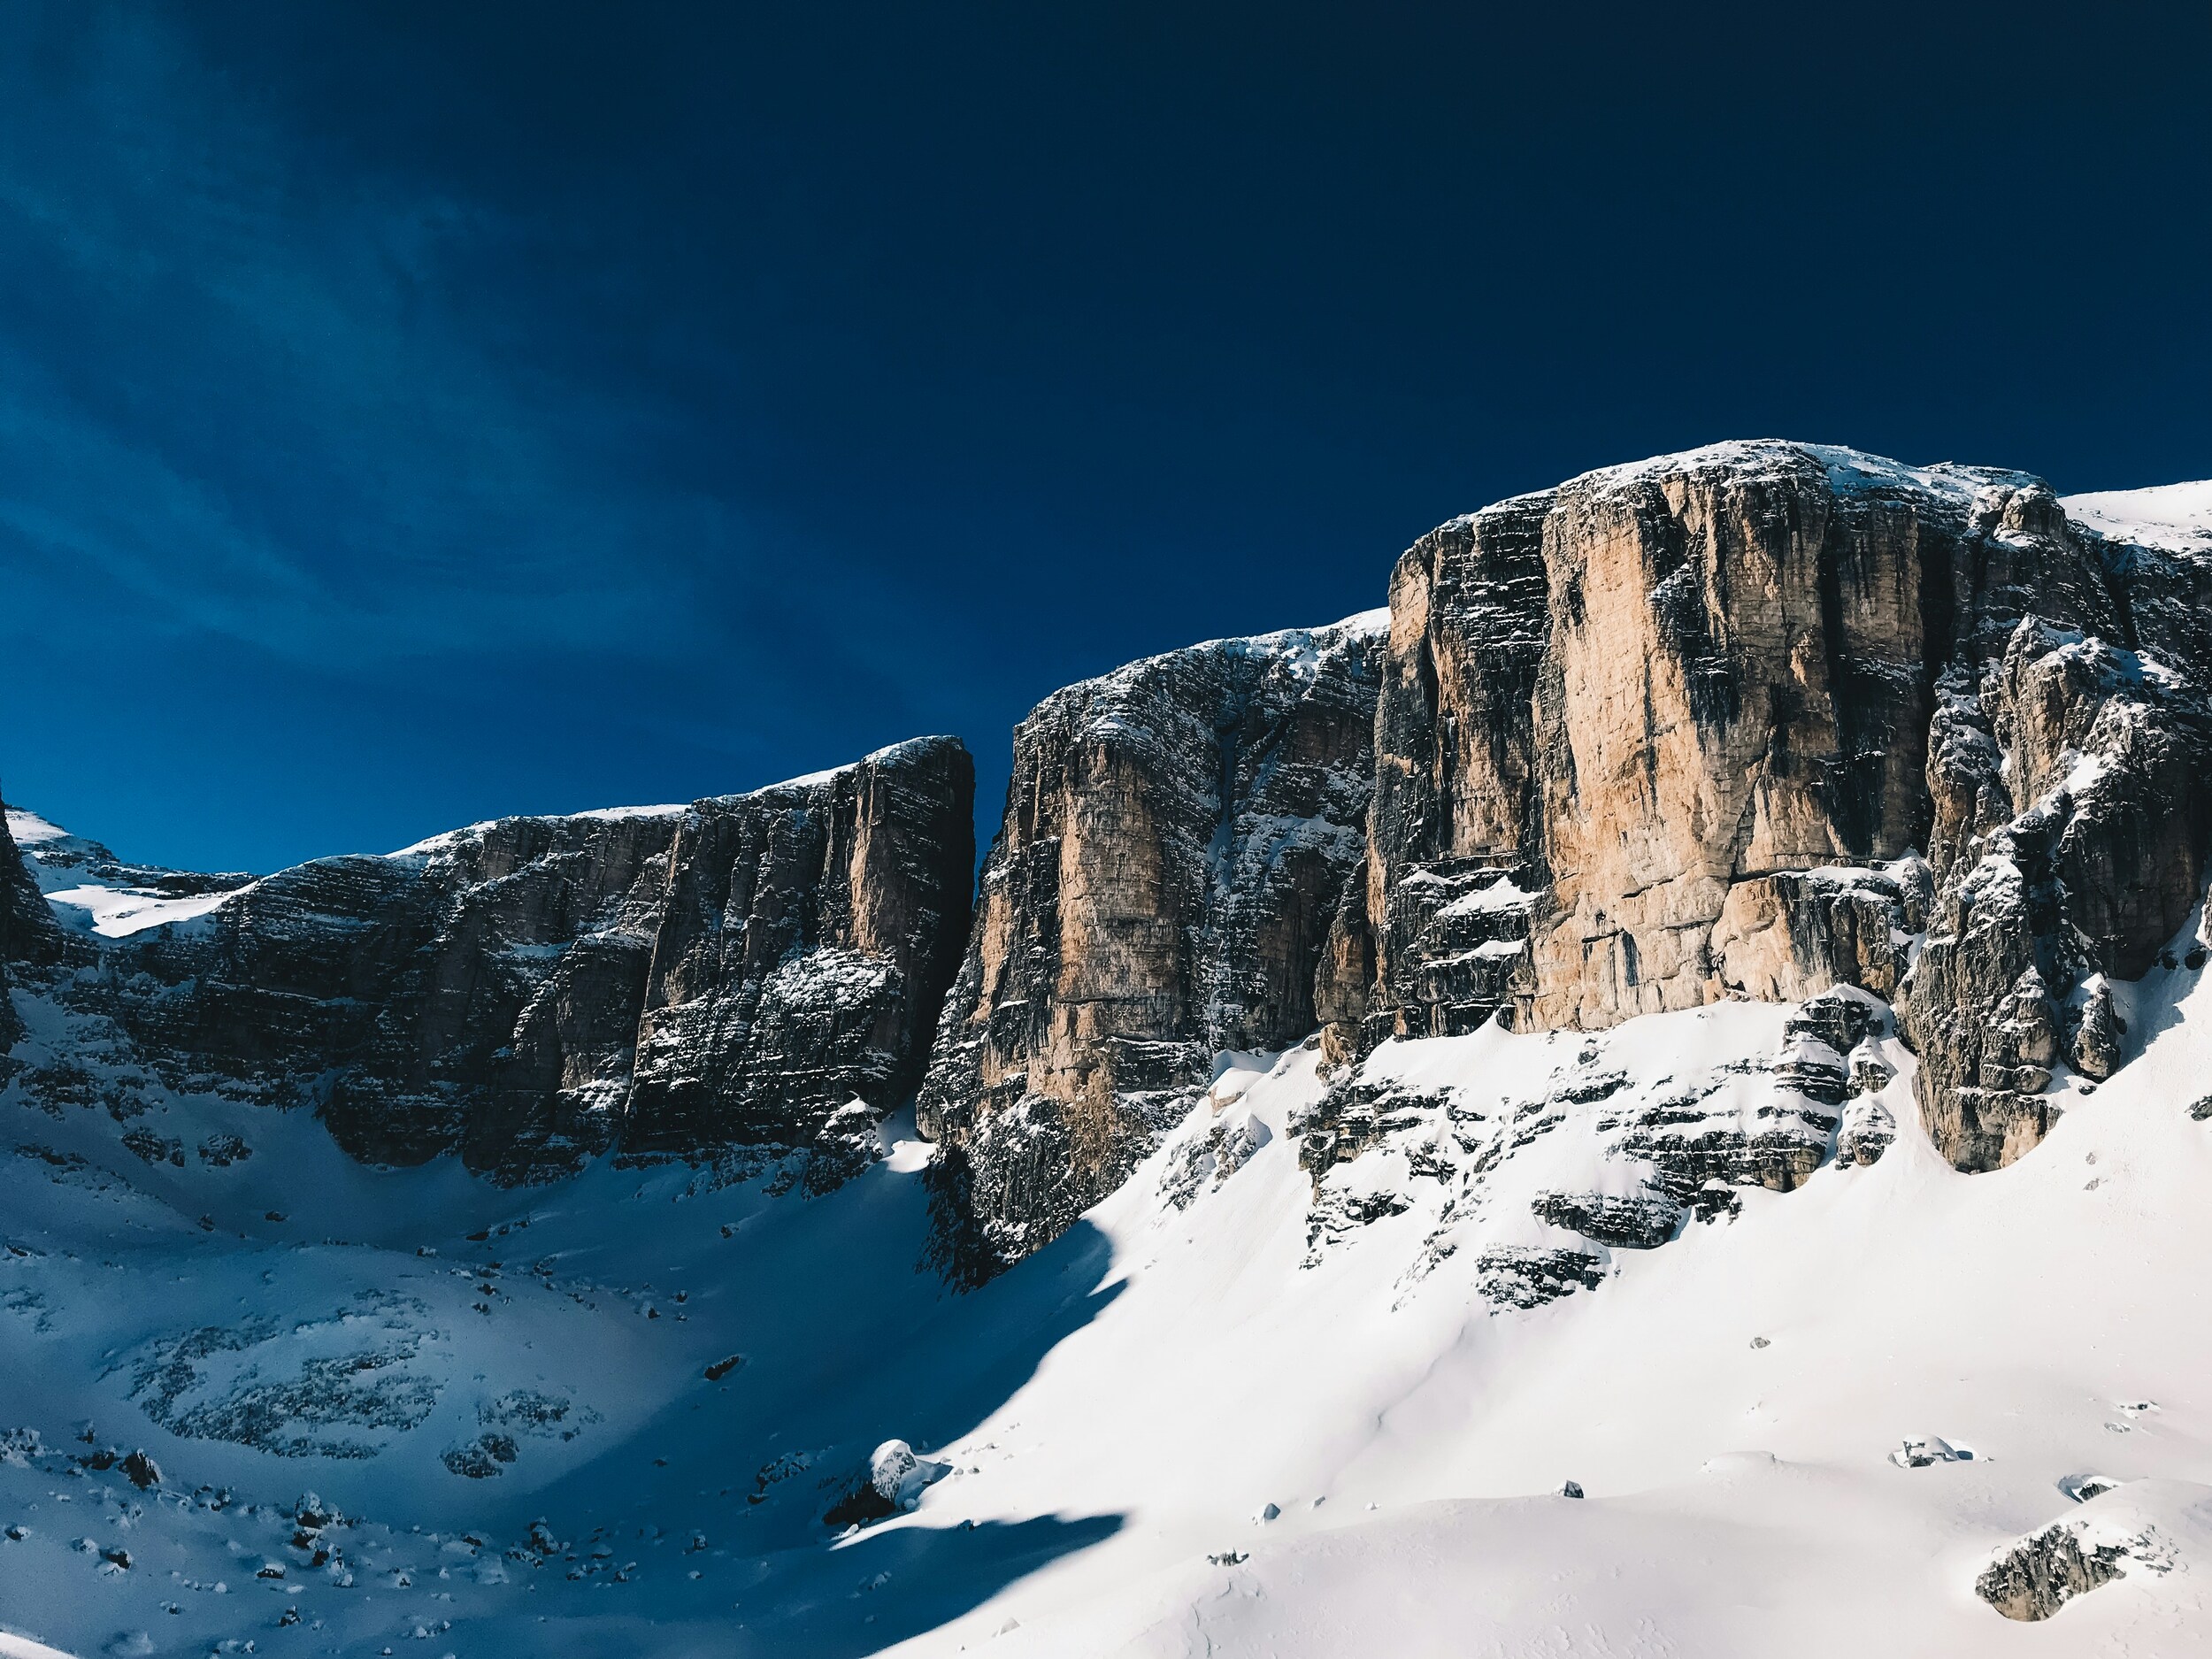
[
  {"x": 1683, "y": 726},
  {"x": 1737, "y": 683},
  {"x": 1178, "y": 840},
  {"x": 757, "y": 970},
  {"x": 406, "y": 996},
  {"x": 2066, "y": 769},
  {"x": 20, "y": 909},
  {"x": 1455, "y": 838},
  {"x": 30, "y": 939},
  {"x": 805, "y": 943},
  {"x": 29, "y": 935}
]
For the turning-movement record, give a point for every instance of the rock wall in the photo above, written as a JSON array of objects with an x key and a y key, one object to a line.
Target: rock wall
[
  {"x": 1760, "y": 720},
  {"x": 806, "y": 940},
  {"x": 30, "y": 939},
  {"x": 757, "y": 970},
  {"x": 1178, "y": 841},
  {"x": 1678, "y": 731},
  {"x": 1456, "y": 832},
  {"x": 1735, "y": 684},
  {"x": 2066, "y": 769},
  {"x": 29, "y": 935}
]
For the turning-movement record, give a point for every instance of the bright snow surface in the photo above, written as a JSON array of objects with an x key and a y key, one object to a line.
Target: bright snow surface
[
  {"x": 1121, "y": 1411},
  {"x": 2177, "y": 517}
]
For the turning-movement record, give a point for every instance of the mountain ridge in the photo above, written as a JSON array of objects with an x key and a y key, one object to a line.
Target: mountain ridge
[{"x": 1646, "y": 1089}]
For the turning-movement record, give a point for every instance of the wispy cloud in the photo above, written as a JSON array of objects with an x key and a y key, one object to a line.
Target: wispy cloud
[{"x": 233, "y": 397}]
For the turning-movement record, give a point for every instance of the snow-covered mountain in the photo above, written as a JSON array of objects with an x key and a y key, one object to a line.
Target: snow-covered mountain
[{"x": 1643, "y": 1102}]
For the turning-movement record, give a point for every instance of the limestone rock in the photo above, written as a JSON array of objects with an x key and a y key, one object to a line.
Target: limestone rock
[
  {"x": 2036, "y": 1576},
  {"x": 805, "y": 942},
  {"x": 1697, "y": 714},
  {"x": 1178, "y": 840},
  {"x": 1527, "y": 1276},
  {"x": 30, "y": 937},
  {"x": 2096, "y": 1047},
  {"x": 1455, "y": 774},
  {"x": 1341, "y": 980},
  {"x": 1868, "y": 1131},
  {"x": 758, "y": 971},
  {"x": 1622, "y": 1222},
  {"x": 2070, "y": 834},
  {"x": 1785, "y": 937},
  {"x": 1737, "y": 684},
  {"x": 892, "y": 1484}
]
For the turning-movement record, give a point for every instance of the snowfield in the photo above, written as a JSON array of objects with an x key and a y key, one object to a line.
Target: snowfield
[{"x": 1320, "y": 1380}]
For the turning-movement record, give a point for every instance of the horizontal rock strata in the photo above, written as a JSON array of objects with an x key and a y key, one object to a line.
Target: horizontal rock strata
[{"x": 759, "y": 970}]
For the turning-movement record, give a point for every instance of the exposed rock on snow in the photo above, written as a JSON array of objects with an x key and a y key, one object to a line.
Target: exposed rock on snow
[
  {"x": 2034, "y": 1578},
  {"x": 1629, "y": 1223},
  {"x": 142, "y": 1470},
  {"x": 1178, "y": 836},
  {"x": 29, "y": 937},
  {"x": 892, "y": 1485},
  {"x": 805, "y": 943},
  {"x": 1921, "y": 1451},
  {"x": 1617, "y": 1152},
  {"x": 2070, "y": 818}
]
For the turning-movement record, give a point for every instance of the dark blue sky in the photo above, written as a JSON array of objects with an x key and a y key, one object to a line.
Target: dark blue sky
[{"x": 411, "y": 413}]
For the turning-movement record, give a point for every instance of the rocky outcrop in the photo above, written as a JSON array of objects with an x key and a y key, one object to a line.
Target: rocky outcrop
[
  {"x": 1454, "y": 837},
  {"x": 2033, "y": 1577},
  {"x": 1766, "y": 720},
  {"x": 1179, "y": 840},
  {"x": 30, "y": 937},
  {"x": 1798, "y": 932},
  {"x": 807, "y": 936},
  {"x": 17, "y": 896},
  {"x": 1629, "y": 696},
  {"x": 759, "y": 971},
  {"x": 2066, "y": 772},
  {"x": 1676, "y": 731}
]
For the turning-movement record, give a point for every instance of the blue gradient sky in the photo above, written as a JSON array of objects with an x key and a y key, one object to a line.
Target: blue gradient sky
[{"x": 412, "y": 413}]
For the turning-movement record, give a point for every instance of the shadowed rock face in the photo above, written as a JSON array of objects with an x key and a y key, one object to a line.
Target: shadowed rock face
[
  {"x": 29, "y": 936},
  {"x": 1670, "y": 732},
  {"x": 758, "y": 970},
  {"x": 1179, "y": 840},
  {"x": 806, "y": 938},
  {"x": 1456, "y": 832},
  {"x": 23, "y": 919}
]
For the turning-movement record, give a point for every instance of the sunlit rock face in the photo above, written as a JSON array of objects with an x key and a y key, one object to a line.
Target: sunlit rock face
[
  {"x": 1179, "y": 837},
  {"x": 1684, "y": 729},
  {"x": 759, "y": 970}
]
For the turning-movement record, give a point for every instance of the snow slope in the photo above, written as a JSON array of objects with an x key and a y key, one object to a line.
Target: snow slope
[
  {"x": 91, "y": 892},
  {"x": 608, "y": 1418},
  {"x": 2177, "y": 517}
]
